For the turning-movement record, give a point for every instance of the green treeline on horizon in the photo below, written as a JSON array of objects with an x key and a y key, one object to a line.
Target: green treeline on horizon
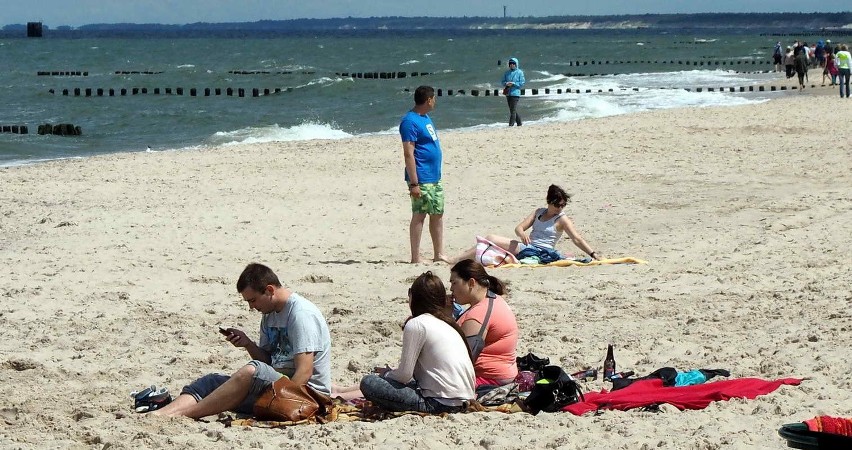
[{"x": 756, "y": 21}]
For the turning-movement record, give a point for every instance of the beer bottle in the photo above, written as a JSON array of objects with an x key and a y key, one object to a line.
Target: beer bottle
[{"x": 609, "y": 364}]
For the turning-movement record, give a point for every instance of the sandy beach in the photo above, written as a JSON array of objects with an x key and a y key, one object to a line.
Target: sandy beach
[{"x": 117, "y": 269}]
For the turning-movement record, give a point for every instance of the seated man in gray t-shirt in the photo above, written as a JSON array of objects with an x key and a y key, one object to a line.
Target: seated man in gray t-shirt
[{"x": 294, "y": 342}]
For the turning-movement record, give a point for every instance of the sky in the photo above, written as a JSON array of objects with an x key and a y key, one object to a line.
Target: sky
[{"x": 55, "y": 13}]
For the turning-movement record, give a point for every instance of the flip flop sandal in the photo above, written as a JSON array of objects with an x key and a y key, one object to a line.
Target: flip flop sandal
[
  {"x": 150, "y": 399},
  {"x": 799, "y": 436}
]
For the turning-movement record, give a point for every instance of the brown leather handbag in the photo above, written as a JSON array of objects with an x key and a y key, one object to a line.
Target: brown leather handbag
[{"x": 286, "y": 401}]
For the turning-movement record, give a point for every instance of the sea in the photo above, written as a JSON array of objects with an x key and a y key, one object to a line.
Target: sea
[{"x": 306, "y": 89}]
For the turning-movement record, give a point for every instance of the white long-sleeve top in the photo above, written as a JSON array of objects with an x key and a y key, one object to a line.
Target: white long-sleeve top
[{"x": 435, "y": 356}]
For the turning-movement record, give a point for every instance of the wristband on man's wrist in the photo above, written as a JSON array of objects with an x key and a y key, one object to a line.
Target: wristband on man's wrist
[{"x": 411, "y": 185}]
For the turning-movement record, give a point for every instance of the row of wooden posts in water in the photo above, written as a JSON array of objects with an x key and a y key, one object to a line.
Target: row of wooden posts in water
[
  {"x": 192, "y": 92},
  {"x": 61, "y": 129},
  {"x": 67, "y": 129},
  {"x": 379, "y": 75},
  {"x": 367, "y": 75},
  {"x": 258, "y": 92}
]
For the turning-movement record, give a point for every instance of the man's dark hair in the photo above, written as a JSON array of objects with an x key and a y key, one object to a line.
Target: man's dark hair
[
  {"x": 257, "y": 277},
  {"x": 423, "y": 94}
]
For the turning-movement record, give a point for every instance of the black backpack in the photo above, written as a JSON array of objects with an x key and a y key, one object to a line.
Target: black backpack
[{"x": 554, "y": 390}]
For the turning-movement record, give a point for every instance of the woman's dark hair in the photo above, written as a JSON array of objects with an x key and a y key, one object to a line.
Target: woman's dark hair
[
  {"x": 468, "y": 268},
  {"x": 555, "y": 195},
  {"x": 429, "y": 296}
]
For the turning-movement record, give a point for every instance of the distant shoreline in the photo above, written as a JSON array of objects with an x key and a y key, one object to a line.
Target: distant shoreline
[{"x": 769, "y": 23}]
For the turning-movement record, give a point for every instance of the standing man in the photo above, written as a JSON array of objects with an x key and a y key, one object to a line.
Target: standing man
[
  {"x": 294, "y": 342},
  {"x": 843, "y": 61},
  {"x": 423, "y": 158},
  {"x": 513, "y": 81},
  {"x": 777, "y": 56}
]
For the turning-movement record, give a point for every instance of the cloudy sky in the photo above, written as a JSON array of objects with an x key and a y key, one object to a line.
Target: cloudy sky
[{"x": 80, "y": 12}]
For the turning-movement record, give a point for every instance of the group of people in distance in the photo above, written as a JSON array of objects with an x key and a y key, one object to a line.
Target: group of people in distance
[
  {"x": 836, "y": 61},
  {"x": 446, "y": 355}
]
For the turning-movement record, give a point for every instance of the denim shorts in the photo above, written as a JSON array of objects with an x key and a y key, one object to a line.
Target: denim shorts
[{"x": 264, "y": 376}]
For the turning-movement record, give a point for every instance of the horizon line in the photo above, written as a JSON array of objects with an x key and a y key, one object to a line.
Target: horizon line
[{"x": 498, "y": 18}]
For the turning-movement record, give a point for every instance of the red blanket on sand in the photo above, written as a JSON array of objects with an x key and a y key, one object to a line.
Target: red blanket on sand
[{"x": 652, "y": 392}]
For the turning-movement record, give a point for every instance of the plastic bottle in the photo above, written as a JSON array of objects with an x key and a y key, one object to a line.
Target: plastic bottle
[{"x": 609, "y": 364}]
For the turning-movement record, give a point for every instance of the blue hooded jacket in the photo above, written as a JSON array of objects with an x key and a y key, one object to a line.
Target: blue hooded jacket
[{"x": 515, "y": 76}]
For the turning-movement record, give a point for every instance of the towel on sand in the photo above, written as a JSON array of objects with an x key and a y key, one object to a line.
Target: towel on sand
[{"x": 652, "y": 392}]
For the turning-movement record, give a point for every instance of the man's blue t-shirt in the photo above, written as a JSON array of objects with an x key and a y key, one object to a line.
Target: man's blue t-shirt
[{"x": 427, "y": 150}]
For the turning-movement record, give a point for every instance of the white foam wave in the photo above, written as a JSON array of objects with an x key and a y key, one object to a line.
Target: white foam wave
[
  {"x": 548, "y": 77},
  {"x": 253, "y": 135},
  {"x": 322, "y": 81},
  {"x": 569, "y": 107},
  {"x": 656, "y": 80},
  {"x": 412, "y": 61},
  {"x": 186, "y": 66}
]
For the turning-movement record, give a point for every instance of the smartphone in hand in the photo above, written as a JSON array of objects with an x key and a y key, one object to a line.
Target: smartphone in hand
[{"x": 224, "y": 331}]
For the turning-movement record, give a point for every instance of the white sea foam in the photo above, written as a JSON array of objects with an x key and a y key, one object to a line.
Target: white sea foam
[
  {"x": 274, "y": 133},
  {"x": 547, "y": 77},
  {"x": 412, "y": 61},
  {"x": 27, "y": 162},
  {"x": 322, "y": 81},
  {"x": 652, "y": 91}
]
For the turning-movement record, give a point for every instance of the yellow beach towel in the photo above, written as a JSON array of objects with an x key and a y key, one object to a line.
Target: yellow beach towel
[{"x": 571, "y": 262}]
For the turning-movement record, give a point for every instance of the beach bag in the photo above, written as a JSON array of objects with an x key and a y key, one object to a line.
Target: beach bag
[
  {"x": 490, "y": 254},
  {"x": 286, "y": 401},
  {"x": 506, "y": 90},
  {"x": 553, "y": 391},
  {"x": 532, "y": 362}
]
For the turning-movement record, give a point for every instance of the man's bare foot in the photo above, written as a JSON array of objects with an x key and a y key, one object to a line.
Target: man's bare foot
[{"x": 442, "y": 258}]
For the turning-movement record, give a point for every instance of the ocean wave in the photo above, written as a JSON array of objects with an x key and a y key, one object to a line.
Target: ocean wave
[
  {"x": 254, "y": 135},
  {"x": 322, "y": 81},
  {"x": 548, "y": 77}
]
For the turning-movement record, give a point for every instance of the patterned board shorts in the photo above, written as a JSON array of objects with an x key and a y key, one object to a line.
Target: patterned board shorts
[{"x": 431, "y": 201}]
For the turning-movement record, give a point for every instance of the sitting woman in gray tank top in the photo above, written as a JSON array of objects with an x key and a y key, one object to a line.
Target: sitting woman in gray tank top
[{"x": 547, "y": 225}]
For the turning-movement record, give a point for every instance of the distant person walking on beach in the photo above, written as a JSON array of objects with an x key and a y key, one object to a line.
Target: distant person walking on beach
[
  {"x": 830, "y": 68},
  {"x": 843, "y": 61},
  {"x": 800, "y": 62},
  {"x": 777, "y": 56},
  {"x": 789, "y": 59},
  {"x": 422, "y": 154},
  {"x": 513, "y": 81}
]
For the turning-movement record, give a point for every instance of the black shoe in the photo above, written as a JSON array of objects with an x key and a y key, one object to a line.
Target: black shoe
[{"x": 150, "y": 399}]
